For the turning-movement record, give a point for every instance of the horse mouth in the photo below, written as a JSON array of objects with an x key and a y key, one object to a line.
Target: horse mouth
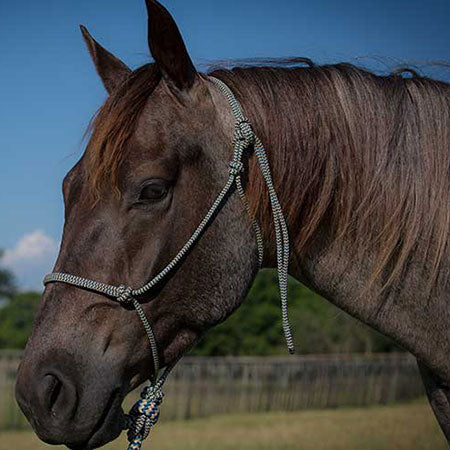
[{"x": 108, "y": 427}]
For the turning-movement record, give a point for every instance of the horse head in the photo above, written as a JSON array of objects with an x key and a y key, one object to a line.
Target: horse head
[{"x": 157, "y": 158}]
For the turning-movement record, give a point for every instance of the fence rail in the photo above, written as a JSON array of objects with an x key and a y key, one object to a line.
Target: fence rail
[{"x": 205, "y": 386}]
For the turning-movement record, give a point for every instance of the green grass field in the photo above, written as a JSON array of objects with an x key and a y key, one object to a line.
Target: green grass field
[{"x": 400, "y": 427}]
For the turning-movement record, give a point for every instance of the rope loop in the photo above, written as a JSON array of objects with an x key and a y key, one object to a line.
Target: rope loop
[{"x": 125, "y": 294}]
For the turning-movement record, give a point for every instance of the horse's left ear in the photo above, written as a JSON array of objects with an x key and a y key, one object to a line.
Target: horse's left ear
[
  {"x": 112, "y": 70},
  {"x": 167, "y": 47}
]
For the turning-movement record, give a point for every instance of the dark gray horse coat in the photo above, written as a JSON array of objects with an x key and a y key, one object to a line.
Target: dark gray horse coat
[{"x": 361, "y": 165}]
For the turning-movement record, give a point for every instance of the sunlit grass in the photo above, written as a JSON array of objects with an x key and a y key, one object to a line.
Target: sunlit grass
[{"x": 402, "y": 427}]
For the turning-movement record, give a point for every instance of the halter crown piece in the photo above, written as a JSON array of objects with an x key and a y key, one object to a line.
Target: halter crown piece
[{"x": 144, "y": 414}]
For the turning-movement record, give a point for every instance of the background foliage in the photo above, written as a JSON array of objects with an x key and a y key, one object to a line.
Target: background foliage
[{"x": 7, "y": 286}]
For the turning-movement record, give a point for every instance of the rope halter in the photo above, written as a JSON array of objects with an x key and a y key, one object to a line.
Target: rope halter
[{"x": 144, "y": 414}]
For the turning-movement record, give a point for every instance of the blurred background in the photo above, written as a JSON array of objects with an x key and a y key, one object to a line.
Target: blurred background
[{"x": 237, "y": 385}]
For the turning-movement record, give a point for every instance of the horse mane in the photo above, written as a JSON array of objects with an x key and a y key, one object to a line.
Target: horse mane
[{"x": 367, "y": 154}]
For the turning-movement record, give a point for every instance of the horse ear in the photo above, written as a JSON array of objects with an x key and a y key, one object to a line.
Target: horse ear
[
  {"x": 112, "y": 70},
  {"x": 167, "y": 47}
]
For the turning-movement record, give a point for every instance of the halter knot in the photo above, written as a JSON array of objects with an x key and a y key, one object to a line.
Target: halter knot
[
  {"x": 125, "y": 294},
  {"x": 236, "y": 167},
  {"x": 244, "y": 132},
  {"x": 143, "y": 415}
]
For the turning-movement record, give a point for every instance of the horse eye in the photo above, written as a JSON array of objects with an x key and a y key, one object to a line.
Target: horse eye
[{"x": 153, "y": 191}]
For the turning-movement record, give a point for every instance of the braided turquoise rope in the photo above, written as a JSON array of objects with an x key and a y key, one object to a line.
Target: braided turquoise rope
[{"x": 145, "y": 413}]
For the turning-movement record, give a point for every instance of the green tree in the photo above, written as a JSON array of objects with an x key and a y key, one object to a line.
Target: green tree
[
  {"x": 16, "y": 319},
  {"x": 7, "y": 284}
]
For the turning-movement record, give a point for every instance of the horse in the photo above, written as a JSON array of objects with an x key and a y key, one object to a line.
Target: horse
[{"x": 360, "y": 162}]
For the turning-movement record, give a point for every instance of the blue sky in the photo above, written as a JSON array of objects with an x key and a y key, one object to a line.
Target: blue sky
[{"x": 49, "y": 89}]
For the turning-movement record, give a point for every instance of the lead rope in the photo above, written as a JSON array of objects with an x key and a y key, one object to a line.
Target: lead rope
[{"x": 145, "y": 413}]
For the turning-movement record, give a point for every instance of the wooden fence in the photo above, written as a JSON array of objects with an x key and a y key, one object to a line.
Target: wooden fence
[{"x": 205, "y": 386}]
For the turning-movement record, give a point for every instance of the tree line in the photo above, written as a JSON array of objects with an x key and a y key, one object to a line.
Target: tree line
[{"x": 254, "y": 329}]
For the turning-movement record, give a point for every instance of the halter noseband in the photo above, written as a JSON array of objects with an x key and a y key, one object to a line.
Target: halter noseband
[{"x": 145, "y": 412}]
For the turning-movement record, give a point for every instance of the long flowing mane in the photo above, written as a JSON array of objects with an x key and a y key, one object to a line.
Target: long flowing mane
[{"x": 368, "y": 154}]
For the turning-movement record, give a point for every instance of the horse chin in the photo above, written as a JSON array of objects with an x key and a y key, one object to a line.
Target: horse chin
[{"x": 108, "y": 428}]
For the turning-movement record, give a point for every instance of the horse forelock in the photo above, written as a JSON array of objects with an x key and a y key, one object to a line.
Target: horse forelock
[{"x": 113, "y": 126}]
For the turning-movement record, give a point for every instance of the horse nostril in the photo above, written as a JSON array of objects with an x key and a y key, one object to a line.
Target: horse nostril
[
  {"x": 52, "y": 388},
  {"x": 58, "y": 396}
]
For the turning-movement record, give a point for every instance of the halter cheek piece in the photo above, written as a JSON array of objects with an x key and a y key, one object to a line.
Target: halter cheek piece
[{"x": 145, "y": 412}]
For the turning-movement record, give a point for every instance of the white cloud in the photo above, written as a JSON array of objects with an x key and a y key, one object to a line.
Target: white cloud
[{"x": 33, "y": 256}]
